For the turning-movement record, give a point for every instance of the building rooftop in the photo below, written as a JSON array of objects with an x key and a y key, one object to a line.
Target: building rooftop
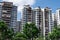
[{"x": 37, "y": 8}]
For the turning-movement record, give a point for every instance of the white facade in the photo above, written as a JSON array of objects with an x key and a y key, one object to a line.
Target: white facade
[
  {"x": 38, "y": 16},
  {"x": 27, "y": 15},
  {"x": 39, "y": 19},
  {"x": 53, "y": 16},
  {"x": 47, "y": 21},
  {"x": 57, "y": 15},
  {"x": 43, "y": 20}
]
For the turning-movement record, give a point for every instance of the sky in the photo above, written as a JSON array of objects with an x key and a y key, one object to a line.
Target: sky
[{"x": 53, "y": 4}]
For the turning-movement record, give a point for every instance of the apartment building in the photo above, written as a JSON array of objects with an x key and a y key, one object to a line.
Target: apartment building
[
  {"x": 57, "y": 17},
  {"x": 43, "y": 20},
  {"x": 39, "y": 19},
  {"x": 8, "y": 13},
  {"x": 27, "y": 15},
  {"x": 47, "y": 21}
]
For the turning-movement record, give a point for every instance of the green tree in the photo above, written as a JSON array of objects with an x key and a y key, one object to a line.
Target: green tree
[
  {"x": 39, "y": 38},
  {"x": 5, "y": 32},
  {"x": 55, "y": 34},
  {"x": 3, "y": 28},
  {"x": 20, "y": 36},
  {"x": 30, "y": 30},
  {"x": 9, "y": 34}
]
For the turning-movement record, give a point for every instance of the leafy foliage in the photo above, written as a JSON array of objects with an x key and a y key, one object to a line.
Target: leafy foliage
[
  {"x": 5, "y": 32},
  {"x": 55, "y": 34},
  {"x": 20, "y": 36},
  {"x": 30, "y": 30}
]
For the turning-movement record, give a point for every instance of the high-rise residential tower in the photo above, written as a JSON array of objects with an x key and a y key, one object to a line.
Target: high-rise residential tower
[
  {"x": 8, "y": 13},
  {"x": 27, "y": 15},
  {"x": 39, "y": 19},
  {"x": 57, "y": 17},
  {"x": 43, "y": 20},
  {"x": 47, "y": 21}
]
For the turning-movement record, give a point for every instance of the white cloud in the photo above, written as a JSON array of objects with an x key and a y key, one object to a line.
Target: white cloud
[{"x": 20, "y": 3}]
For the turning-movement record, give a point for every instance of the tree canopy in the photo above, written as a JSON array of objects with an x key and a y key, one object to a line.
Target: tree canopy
[
  {"x": 5, "y": 32},
  {"x": 55, "y": 34},
  {"x": 20, "y": 36},
  {"x": 30, "y": 30}
]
